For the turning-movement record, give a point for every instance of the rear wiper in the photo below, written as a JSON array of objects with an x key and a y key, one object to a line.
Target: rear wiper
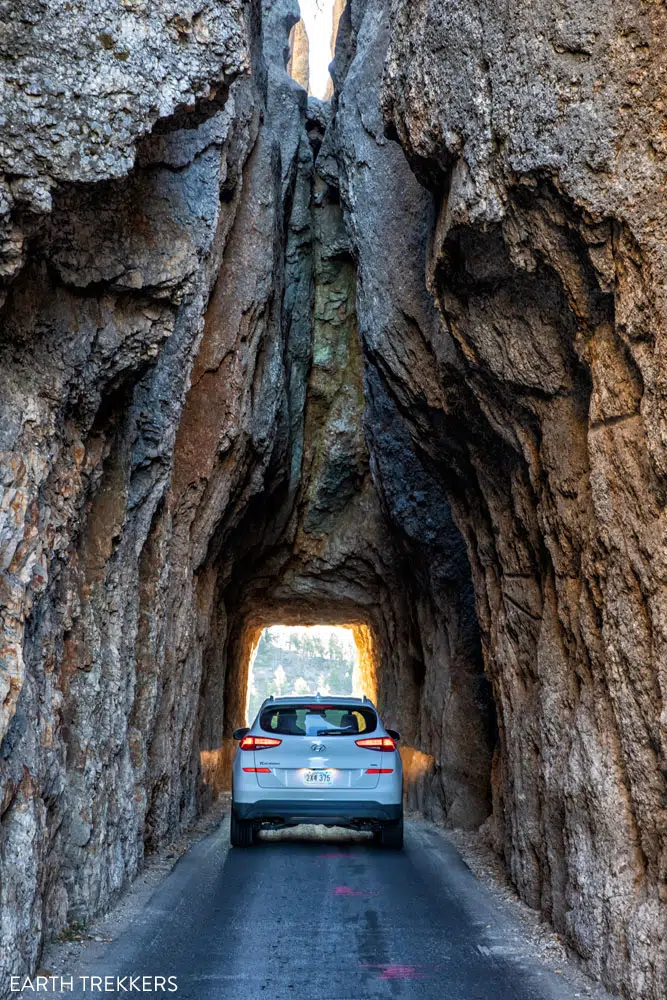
[{"x": 334, "y": 732}]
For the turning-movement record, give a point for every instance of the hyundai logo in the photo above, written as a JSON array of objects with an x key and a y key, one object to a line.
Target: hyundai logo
[{"x": 317, "y": 747}]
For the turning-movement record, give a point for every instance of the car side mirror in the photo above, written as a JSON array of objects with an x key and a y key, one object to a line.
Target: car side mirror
[
  {"x": 238, "y": 734},
  {"x": 394, "y": 735}
]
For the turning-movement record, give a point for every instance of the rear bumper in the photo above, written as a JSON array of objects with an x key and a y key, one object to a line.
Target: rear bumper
[{"x": 340, "y": 812}]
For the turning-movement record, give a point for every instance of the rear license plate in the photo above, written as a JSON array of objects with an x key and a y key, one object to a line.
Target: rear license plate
[{"x": 318, "y": 777}]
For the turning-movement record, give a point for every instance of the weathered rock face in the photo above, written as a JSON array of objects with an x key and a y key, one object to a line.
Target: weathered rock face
[
  {"x": 393, "y": 361},
  {"x": 536, "y": 395},
  {"x": 78, "y": 119},
  {"x": 298, "y": 65},
  {"x": 388, "y": 215},
  {"x": 99, "y": 332}
]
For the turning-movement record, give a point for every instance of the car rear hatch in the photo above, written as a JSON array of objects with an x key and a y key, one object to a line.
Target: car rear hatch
[{"x": 325, "y": 758}]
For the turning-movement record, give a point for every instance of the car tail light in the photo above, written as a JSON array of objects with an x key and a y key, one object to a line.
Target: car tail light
[
  {"x": 257, "y": 770},
  {"x": 258, "y": 743},
  {"x": 374, "y": 770},
  {"x": 376, "y": 743}
]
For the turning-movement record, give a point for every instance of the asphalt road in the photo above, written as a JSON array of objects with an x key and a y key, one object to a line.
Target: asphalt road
[{"x": 329, "y": 917}]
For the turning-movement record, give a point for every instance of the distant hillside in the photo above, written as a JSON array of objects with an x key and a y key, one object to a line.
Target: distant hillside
[{"x": 302, "y": 661}]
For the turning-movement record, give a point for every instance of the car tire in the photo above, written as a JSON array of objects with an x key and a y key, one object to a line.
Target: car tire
[
  {"x": 241, "y": 833},
  {"x": 391, "y": 835}
]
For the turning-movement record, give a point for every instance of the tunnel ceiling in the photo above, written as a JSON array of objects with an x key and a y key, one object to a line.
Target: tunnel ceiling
[{"x": 393, "y": 360}]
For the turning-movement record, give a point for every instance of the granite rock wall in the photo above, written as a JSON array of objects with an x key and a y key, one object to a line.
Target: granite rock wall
[
  {"x": 123, "y": 236},
  {"x": 506, "y": 165}
]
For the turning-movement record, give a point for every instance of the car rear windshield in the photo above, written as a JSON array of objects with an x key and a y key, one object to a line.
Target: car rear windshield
[{"x": 318, "y": 720}]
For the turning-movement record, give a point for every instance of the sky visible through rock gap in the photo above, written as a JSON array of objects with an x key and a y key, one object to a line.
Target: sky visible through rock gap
[{"x": 318, "y": 18}]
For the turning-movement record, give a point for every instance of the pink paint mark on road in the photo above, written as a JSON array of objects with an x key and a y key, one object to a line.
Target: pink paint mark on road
[
  {"x": 345, "y": 890},
  {"x": 397, "y": 971}
]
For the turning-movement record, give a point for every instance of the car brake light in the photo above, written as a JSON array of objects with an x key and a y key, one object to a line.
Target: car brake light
[
  {"x": 377, "y": 743},
  {"x": 375, "y": 770},
  {"x": 258, "y": 743},
  {"x": 257, "y": 770}
]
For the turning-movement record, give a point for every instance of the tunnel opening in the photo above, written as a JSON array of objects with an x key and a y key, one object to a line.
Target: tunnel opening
[
  {"x": 342, "y": 658},
  {"x": 302, "y": 660}
]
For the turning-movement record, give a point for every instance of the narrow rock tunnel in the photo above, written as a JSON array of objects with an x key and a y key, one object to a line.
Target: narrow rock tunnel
[{"x": 390, "y": 360}]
